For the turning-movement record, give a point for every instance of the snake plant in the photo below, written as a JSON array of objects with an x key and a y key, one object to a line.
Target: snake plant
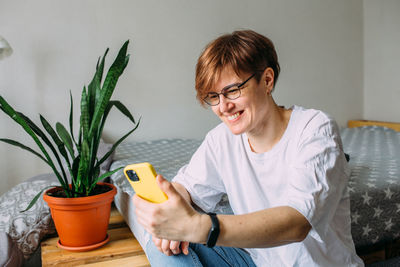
[{"x": 79, "y": 154}]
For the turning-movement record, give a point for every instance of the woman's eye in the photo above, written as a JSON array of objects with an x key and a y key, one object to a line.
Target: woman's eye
[
  {"x": 232, "y": 91},
  {"x": 213, "y": 96}
]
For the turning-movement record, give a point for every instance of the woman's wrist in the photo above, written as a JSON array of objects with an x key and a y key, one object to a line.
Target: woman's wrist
[{"x": 199, "y": 228}]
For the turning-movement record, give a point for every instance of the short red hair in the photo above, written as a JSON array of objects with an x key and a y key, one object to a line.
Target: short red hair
[{"x": 244, "y": 51}]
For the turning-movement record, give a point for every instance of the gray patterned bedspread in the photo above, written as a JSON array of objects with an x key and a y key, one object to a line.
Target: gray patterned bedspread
[{"x": 374, "y": 183}]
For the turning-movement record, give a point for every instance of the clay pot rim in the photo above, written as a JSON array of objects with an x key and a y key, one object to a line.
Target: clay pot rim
[{"x": 80, "y": 200}]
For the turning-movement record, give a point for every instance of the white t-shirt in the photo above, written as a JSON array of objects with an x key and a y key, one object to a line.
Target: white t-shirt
[{"x": 305, "y": 170}]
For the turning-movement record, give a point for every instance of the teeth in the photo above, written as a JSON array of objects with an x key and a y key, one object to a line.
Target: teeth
[{"x": 234, "y": 116}]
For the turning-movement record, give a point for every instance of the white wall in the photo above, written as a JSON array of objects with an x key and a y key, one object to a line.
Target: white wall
[
  {"x": 56, "y": 44},
  {"x": 382, "y": 60}
]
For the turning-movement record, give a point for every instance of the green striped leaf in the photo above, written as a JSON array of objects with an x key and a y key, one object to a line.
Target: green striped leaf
[
  {"x": 107, "y": 90},
  {"x": 71, "y": 118},
  {"x": 59, "y": 144},
  {"x": 35, "y": 199},
  {"x": 95, "y": 84},
  {"x": 124, "y": 110},
  {"x": 55, "y": 138},
  {"x": 83, "y": 168},
  {"x": 66, "y": 138},
  {"x": 85, "y": 120},
  {"x": 75, "y": 166}
]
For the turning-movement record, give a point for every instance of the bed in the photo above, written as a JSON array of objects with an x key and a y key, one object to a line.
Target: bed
[
  {"x": 374, "y": 188},
  {"x": 374, "y": 149},
  {"x": 374, "y": 184}
]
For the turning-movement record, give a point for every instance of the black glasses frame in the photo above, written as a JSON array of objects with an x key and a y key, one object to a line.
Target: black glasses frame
[{"x": 224, "y": 93}]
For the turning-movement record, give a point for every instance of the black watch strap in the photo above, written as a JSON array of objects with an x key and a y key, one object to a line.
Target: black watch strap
[{"x": 214, "y": 231}]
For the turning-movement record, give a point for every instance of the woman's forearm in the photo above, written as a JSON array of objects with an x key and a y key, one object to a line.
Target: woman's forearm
[{"x": 267, "y": 228}]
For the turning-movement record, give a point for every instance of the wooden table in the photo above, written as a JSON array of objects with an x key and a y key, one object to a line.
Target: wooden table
[{"x": 122, "y": 249}]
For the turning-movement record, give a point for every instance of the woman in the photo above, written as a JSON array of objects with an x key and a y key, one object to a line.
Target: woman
[{"x": 283, "y": 170}]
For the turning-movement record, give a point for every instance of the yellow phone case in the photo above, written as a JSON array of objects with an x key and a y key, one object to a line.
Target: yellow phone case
[{"x": 142, "y": 178}]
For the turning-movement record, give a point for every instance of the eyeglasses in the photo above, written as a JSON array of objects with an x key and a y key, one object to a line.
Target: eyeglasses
[{"x": 231, "y": 92}]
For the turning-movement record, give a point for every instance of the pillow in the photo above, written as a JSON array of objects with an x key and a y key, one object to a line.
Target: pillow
[{"x": 25, "y": 230}]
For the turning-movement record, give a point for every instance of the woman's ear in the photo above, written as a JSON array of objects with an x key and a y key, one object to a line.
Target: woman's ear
[{"x": 268, "y": 79}]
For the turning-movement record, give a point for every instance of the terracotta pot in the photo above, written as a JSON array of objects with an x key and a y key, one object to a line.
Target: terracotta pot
[{"x": 81, "y": 222}]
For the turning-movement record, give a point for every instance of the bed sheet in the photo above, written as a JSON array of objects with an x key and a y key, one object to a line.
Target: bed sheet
[{"x": 374, "y": 183}]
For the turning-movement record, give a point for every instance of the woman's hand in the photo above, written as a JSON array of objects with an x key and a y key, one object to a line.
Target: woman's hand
[
  {"x": 169, "y": 247},
  {"x": 173, "y": 219}
]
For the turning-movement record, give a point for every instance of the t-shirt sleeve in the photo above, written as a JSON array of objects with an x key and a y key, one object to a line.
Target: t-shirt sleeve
[
  {"x": 318, "y": 177},
  {"x": 201, "y": 177}
]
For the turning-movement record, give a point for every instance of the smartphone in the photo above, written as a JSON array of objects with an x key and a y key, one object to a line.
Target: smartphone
[{"x": 142, "y": 178}]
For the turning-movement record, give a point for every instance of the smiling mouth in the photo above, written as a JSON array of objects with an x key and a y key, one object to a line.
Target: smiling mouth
[{"x": 234, "y": 116}]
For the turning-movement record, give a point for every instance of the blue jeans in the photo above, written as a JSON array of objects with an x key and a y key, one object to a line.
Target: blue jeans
[{"x": 199, "y": 255}]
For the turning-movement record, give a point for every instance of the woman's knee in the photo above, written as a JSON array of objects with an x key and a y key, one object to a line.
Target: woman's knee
[{"x": 157, "y": 258}]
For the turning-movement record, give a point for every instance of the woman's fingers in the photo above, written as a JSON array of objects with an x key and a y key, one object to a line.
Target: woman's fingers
[
  {"x": 175, "y": 247},
  {"x": 167, "y": 187},
  {"x": 157, "y": 242},
  {"x": 185, "y": 247},
  {"x": 165, "y": 247},
  {"x": 170, "y": 247}
]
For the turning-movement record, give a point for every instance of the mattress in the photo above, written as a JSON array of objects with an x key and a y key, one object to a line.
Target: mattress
[{"x": 374, "y": 184}]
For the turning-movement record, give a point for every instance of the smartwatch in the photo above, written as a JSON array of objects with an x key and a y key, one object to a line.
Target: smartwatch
[{"x": 214, "y": 231}]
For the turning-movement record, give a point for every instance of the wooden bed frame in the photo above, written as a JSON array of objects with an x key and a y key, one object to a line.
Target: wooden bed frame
[{"x": 358, "y": 123}]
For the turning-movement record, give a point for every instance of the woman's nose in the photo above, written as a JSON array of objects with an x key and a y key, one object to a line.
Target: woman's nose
[{"x": 224, "y": 104}]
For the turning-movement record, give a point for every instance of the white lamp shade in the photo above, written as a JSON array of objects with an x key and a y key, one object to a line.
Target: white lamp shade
[{"x": 5, "y": 48}]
